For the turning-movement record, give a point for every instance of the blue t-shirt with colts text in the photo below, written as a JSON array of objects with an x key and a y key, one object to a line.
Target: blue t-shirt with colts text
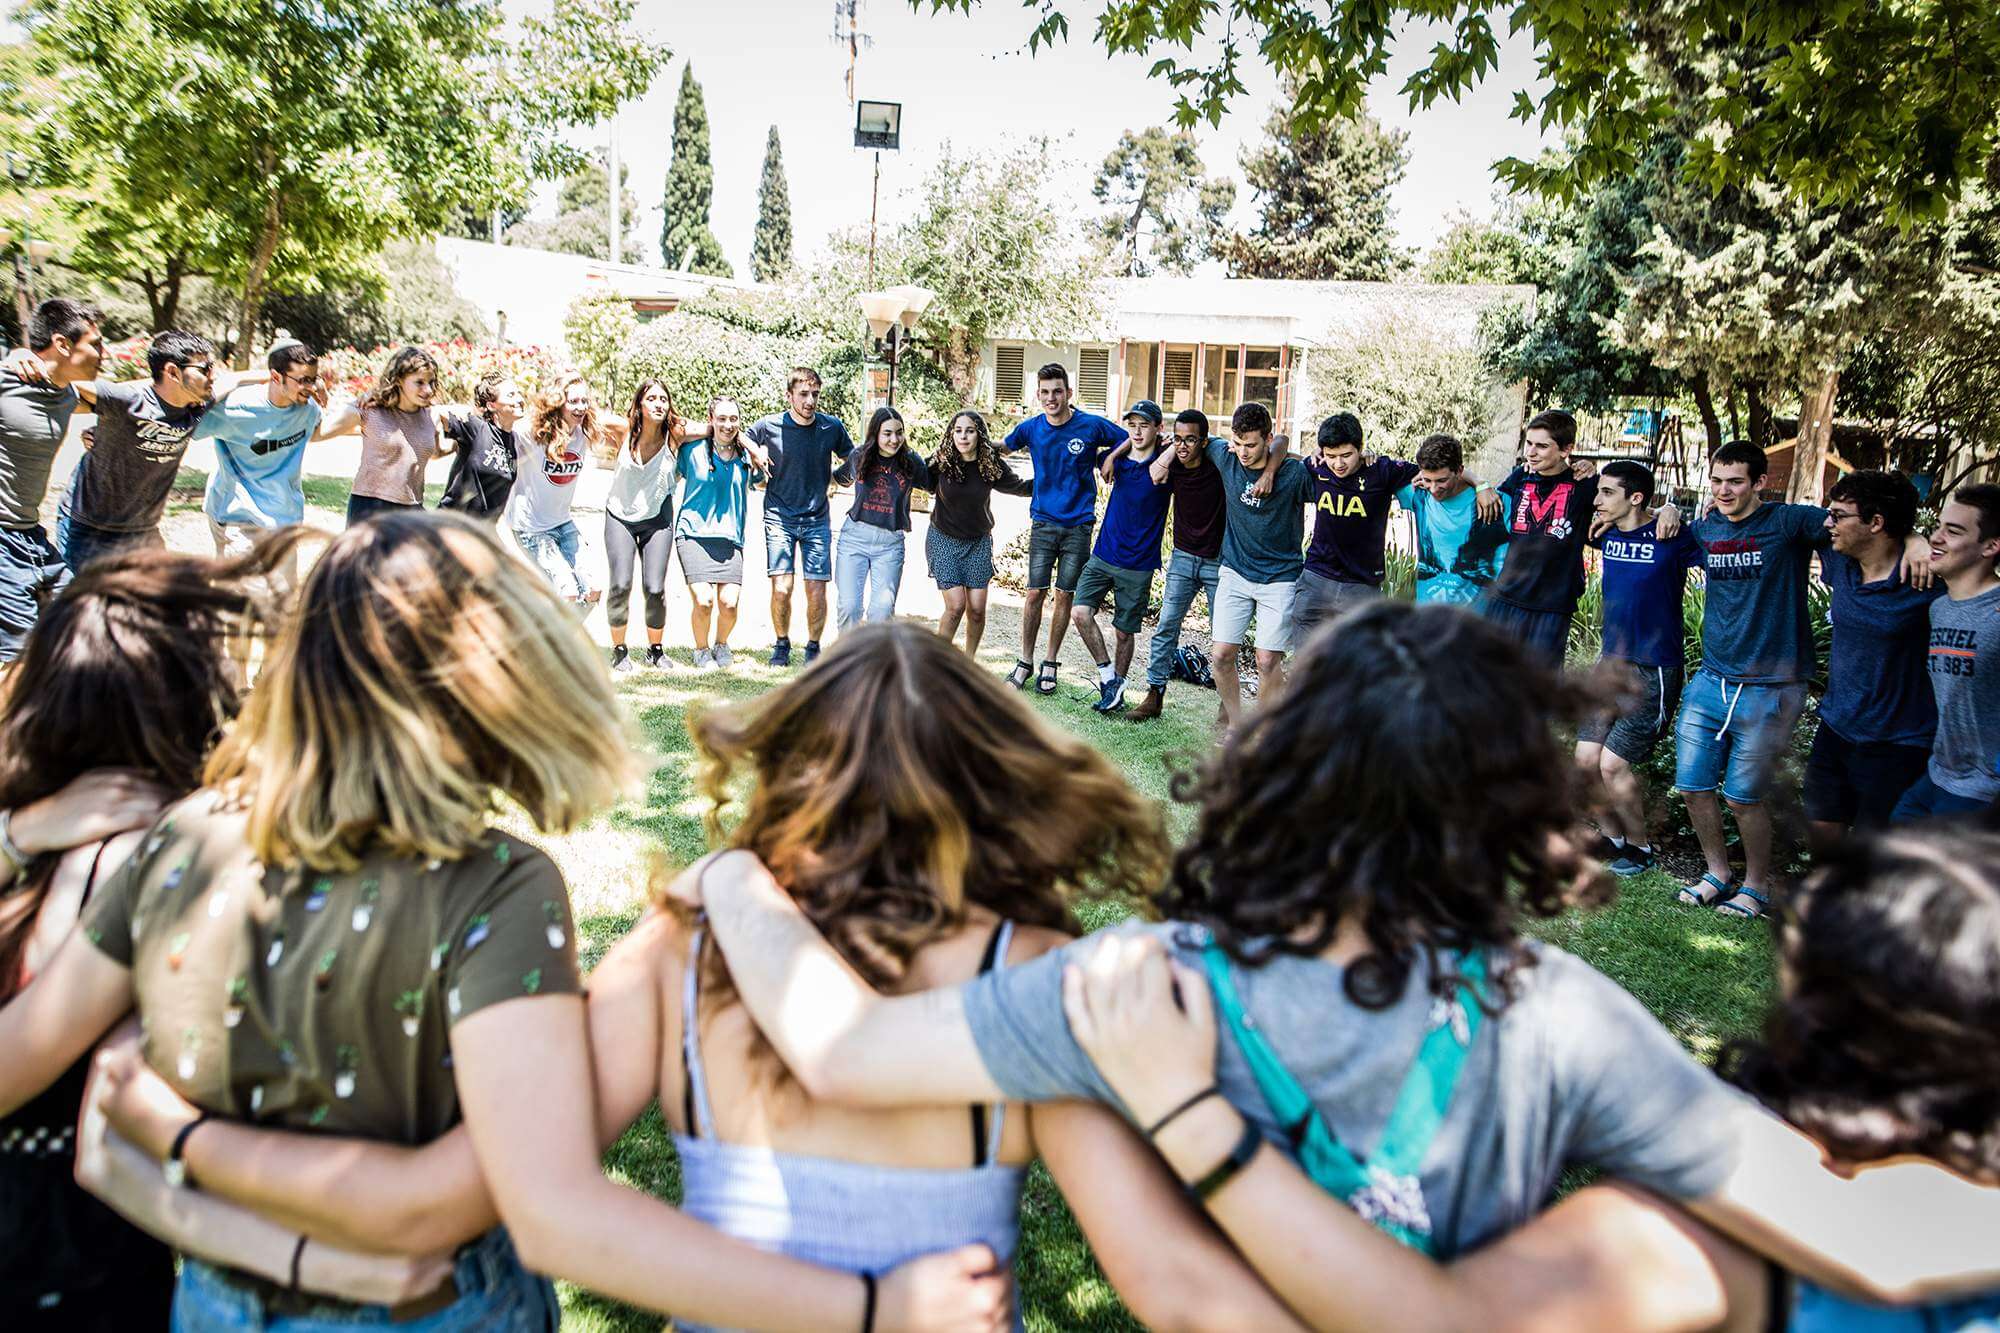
[{"x": 1644, "y": 578}]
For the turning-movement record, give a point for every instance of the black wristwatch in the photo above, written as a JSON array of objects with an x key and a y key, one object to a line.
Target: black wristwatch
[{"x": 175, "y": 1167}]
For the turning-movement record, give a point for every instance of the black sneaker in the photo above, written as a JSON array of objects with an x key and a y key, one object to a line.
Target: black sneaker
[
  {"x": 1633, "y": 860},
  {"x": 812, "y": 651},
  {"x": 781, "y": 653},
  {"x": 1604, "y": 849},
  {"x": 656, "y": 656},
  {"x": 621, "y": 660}
]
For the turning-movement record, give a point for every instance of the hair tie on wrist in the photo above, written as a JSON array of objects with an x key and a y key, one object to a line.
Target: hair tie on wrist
[
  {"x": 1212, "y": 1090},
  {"x": 298, "y": 1253},
  {"x": 868, "y": 1303}
]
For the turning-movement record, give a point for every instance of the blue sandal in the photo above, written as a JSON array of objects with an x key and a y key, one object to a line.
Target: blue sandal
[
  {"x": 1706, "y": 891},
  {"x": 1733, "y": 906}
]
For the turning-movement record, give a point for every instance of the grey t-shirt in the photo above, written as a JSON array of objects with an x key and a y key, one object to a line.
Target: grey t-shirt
[
  {"x": 1574, "y": 1071},
  {"x": 1264, "y": 537},
  {"x": 1964, "y": 663},
  {"x": 121, "y": 485},
  {"x": 33, "y": 420},
  {"x": 1754, "y": 629}
]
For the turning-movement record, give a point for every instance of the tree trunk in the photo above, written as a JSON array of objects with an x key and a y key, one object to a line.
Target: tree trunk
[
  {"x": 961, "y": 366},
  {"x": 1760, "y": 415},
  {"x": 1711, "y": 424},
  {"x": 1815, "y": 435},
  {"x": 253, "y": 282}
]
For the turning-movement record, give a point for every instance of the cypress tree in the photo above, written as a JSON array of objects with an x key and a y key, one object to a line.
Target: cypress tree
[
  {"x": 685, "y": 240},
  {"x": 771, "y": 250}
]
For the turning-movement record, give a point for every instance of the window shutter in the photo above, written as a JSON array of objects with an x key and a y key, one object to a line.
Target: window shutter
[
  {"x": 1008, "y": 373},
  {"x": 1179, "y": 380},
  {"x": 1093, "y": 377}
]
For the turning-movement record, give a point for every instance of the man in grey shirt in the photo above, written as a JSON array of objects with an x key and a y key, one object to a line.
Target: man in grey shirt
[
  {"x": 120, "y": 487},
  {"x": 1964, "y": 661},
  {"x": 34, "y": 417}
]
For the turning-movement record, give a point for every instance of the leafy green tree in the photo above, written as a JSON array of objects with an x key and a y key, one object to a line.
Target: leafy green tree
[
  {"x": 771, "y": 245},
  {"x": 283, "y": 148},
  {"x": 1893, "y": 105},
  {"x": 578, "y": 228},
  {"x": 1407, "y": 381},
  {"x": 1323, "y": 201},
  {"x": 1502, "y": 249},
  {"x": 411, "y": 299},
  {"x": 1157, "y": 178},
  {"x": 685, "y": 240}
]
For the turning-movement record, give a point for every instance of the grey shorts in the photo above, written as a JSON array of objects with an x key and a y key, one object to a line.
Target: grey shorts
[
  {"x": 1059, "y": 552},
  {"x": 959, "y": 564},
  {"x": 1134, "y": 589},
  {"x": 709, "y": 559},
  {"x": 1320, "y": 599},
  {"x": 1652, "y": 698}
]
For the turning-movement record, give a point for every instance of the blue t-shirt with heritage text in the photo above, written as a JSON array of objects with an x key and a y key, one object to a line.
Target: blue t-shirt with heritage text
[
  {"x": 801, "y": 461},
  {"x": 1066, "y": 459},
  {"x": 259, "y": 453},
  {"x": 1458, "y": 556},
  {"x": 1135, "y": 517},
  {"x": 1754, "y": 629},
  {"x": 1877, "y": 690},
  {"x": 1645, "y": 576}
]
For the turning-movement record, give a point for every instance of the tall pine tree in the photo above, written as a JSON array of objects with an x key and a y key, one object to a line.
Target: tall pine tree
[
  {"x": 1322, "y": 200},
  {"x": 771, "y": 248},
  {"x": 685, "y": 240}
]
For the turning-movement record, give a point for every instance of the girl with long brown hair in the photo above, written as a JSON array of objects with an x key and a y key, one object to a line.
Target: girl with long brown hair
[
  {"x": 959, "y": 545},
  {"x": 561, "y": 431},
  {"x": 868, "y": 555},
  {"x": 399, "y": 437},
  {"x": 329, "y": 936},
  {"x": 639, "y": 515},
  {"x": 109, "y": 715},
  {"x": 708, "y": 534}
]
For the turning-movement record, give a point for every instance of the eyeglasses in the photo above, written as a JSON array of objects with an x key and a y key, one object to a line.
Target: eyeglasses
[
  {"x": 204, "y": 367},
  {"x": 305, "y": 382},
  {"x": 1842, "y": 515}
]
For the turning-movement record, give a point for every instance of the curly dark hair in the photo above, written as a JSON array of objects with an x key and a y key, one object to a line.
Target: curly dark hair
[
  {"x": 1411, "y": 779},
  {"x": 986, "y": 460},
  {"x": 1885, "y": 1038}
]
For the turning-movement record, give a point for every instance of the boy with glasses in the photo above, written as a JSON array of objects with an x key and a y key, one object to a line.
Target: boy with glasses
[{"x": 1200, "y": 513}]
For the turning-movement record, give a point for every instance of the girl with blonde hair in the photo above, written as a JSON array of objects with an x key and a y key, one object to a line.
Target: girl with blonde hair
[{"x": 329, "y": 937}]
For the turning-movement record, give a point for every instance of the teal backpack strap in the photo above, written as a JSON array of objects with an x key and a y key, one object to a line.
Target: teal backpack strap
[{"x": 1386, "y": 1191}]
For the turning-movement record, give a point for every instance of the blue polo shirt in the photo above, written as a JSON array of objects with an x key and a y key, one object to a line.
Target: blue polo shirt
[
  {"x": 1644, "y": 578},
  {"x": 1135, "y": 517},
  {"x": 1877, "y": 690},
  {"x": 1066, "y": 459}
]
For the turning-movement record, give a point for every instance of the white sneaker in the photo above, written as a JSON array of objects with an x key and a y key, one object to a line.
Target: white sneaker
[
  {"x": 704, "y": 660},
  {"x": 721, "y": 654}
]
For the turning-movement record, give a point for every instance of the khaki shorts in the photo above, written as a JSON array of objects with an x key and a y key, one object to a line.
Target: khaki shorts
[{"x": 236, "y": 540}]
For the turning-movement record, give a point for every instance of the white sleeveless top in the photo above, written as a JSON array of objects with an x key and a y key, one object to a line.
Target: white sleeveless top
[{"x": 641, "y": 492}]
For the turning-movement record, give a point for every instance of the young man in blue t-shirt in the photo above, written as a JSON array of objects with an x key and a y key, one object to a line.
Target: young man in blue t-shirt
[
  {"x": 1459, "y": 554},
  {"x": 795, "y": 450},
  {"x": 1127, "y": 551},
  {"x": 1066, "y": 446},
  {"x": 1877, "y": 716},
  {"x": 1738, "y": 711},
  {"x": 1645, "y": 575}
]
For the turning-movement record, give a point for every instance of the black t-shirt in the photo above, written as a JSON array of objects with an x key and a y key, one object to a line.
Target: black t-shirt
[
  {"x": 963, "y": 510},
  {"x": 1545, "y": 540},
  {"x": 1200, "y": 510},
  {"x": 882, "y": 498},
  {"x": 1351, "y": 519},
  {"x": 482, "y": 467}
]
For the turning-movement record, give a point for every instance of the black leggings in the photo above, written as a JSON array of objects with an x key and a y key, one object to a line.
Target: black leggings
[{"x": 653, "y": 542}]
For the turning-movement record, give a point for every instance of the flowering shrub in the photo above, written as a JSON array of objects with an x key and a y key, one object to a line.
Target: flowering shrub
[
  {"x": 125, "y": 360},
  {"x": 351, "y": 372}
]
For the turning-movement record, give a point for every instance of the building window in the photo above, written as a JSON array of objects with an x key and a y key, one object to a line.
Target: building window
[
  {"x": 1093, "y": 377},
  {"x": 1260, "y": 377},
  {"x": 1177, "y": 382},
  {"x": 1009, "y": 388}
]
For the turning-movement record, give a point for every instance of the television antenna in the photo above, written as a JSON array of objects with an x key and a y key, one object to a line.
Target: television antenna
[{"x": 847, "y": 32}]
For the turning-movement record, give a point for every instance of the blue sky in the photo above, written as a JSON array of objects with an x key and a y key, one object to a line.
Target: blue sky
[{"x": 969, "y": 79}]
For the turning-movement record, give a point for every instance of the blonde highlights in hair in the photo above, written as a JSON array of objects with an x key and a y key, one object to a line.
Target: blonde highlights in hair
[
  {"x": 551, "y": 430},
  {"x": 425, "y": 673}
]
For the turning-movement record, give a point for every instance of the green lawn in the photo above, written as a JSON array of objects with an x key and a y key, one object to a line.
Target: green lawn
[{"x": 1705, "y": 977}]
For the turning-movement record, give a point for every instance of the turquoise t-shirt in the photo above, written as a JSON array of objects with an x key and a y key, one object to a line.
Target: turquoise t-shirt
[
  {"x": 1457, "y": 555},
  {"x": 715, "y": 493},
  {"x": 259, "y": 453}
]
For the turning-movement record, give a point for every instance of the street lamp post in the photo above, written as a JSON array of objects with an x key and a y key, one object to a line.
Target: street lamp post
[{"x": 892, "y": 316}]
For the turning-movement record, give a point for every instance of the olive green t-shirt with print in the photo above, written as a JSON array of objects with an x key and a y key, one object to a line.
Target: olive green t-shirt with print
[{"x": 309, "y": 999}]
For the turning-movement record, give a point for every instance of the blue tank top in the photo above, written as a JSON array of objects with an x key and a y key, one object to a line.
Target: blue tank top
[{"x": 852, "y": 1216}]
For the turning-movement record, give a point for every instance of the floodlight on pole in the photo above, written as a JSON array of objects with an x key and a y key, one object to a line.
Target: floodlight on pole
[{"x": 877, "y": 125}]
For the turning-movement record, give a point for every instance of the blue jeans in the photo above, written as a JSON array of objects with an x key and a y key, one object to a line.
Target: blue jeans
[
  {"x": 80, "y": 543},
  {"x": 813, "y": 538},
  {"x": 555, "y": 552},
  {"x": 495, "y": 1295},
  {"x": 868, "y": 564},
  {"x": 1926, "y": 800},
  {"x": 1187, "y": 574},
  {"x": 32, "y": 573},
  {"x": 1732, "y": 735}
]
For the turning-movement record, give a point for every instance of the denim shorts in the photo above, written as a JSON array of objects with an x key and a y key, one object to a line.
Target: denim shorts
[
  {"x": 812, "y": 536},
  {"x": 80, "y": 543},
  {"x": 555, "y": 553},
  {"x": 1731, "y": 735},
  {"x": 32, "y": 573},
  {"x": 1058, "y": 553},
  {"x": 495, "y": 1295}
]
